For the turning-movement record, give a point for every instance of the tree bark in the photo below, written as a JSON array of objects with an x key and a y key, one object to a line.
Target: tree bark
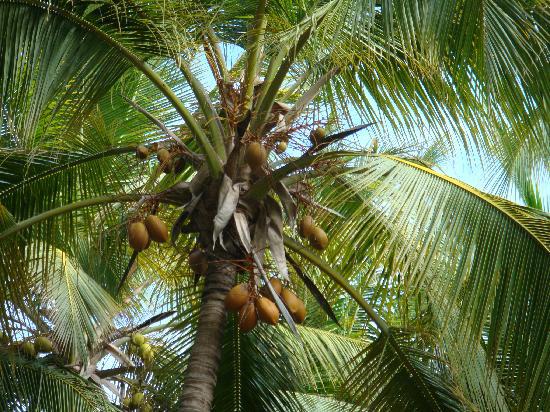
[{"x": 202, "y": 368}]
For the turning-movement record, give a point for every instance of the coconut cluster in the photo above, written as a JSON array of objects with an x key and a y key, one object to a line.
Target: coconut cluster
[
  {"x": 262, "y": 307},
  {"x": 137, "y": 401},
  {"x": 167, "y": 160},
  {"x": 141, "y": 233},
  {"x": 29, "y": 349},
  {"x": 140, "y": 347},
  {"x": 316, "y": 235}
]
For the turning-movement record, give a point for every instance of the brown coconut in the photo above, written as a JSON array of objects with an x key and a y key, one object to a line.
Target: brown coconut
[
  {"x": 165, "y": 159},
  {"x": 237, "y": 297},
  {"x": 300, "y": 314},
  {"x": 247, "y": 317},
  {"x": 305, "y": 226},
  {"x": 277, "y": 286},
  {"x": 318, "y": 238},
  {"x": 142, "y": 152},
  {"x": 138, "y": 237},
  {"x": 267, "y": 311},
  {"x": 291, "y": 301},
  {"x": 255, "y": 155},
  {"x": 198, "y": 262},
  {"x": 156, "y": 228},
  {"x": 163, "y": 155}
]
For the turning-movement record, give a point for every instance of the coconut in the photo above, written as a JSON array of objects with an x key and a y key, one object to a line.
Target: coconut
[
  {"x": 144, "y": 348},
  {"x": 142, "y": 152},
  {"x": 163, "y": 155},
  {"x": 300, "y": 313},
  {"x": 28, "y": 349},
  {"x": 318, "y": 238},
  {"x": 198, "y": 261},
  {"x": 126, "y": 402},
  {"x": 291, "y": 301},
  {"x": 305, "y": 226},
  {"x": 43, "y": 344},
  {"x": 237, "y": 297},
  {"x": 146, "y": 407},
  {"x": 277, "y": 286},
  {"x": 156, "y": 228},
  {"x": 165, "y": 159},
  {"x": 137, "y": 399},
  {"x": 255, "y": 155},
  {"x": 138, "y": 236},
  {"x": 247, "y": 317},
  {"x": 138, "y": 339},
  {"x": 4, "y": 339},
  {"x": 267, "y": 311},
  {"x": 148, "y": 357},
  {"x": 281, "y": 147},
  {"x": 317, "y": 135},
  {"x": 179, "y": 165}
]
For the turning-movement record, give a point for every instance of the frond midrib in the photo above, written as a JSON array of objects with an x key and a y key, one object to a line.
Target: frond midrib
[{"x": 477, "y": 193}]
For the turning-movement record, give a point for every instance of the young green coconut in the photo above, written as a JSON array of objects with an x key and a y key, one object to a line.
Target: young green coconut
[
  {"x": 28, "y": 349},
  {"x": 137, "y": 400},
  {"x": 138, "y": 339},
  {"x": 43, "y": 344}
]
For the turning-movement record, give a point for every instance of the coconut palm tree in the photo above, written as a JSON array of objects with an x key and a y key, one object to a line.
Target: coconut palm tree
[{"x": 421, "y": 292}]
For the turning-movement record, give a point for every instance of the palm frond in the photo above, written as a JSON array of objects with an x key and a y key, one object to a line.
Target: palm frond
[
  {"x": 44, "y": 385},
  {"x": 379, "y": 380},
  {"x": 470, "y": 251},
  {"x": 80, "y": 310}
]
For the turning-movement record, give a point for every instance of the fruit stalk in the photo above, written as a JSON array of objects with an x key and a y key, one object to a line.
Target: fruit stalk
[{"x": 202, "y": 368}]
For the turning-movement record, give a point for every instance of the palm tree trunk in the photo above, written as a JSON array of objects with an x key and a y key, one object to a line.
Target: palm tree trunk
[{"x": 202, "y": 369}]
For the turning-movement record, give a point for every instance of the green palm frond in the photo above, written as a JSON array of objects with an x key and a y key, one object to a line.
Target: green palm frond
[
  {"x": 470, "y": 251},
  {"x": 51, "y": 67},
  {"x": 43, "y": 385},
  {"x": 80, "y": 310},
  {"x": 269, "y": 369},
  {"x": 379, "y": 380}
]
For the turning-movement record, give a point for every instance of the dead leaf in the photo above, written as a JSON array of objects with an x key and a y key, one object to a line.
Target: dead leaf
[
  {"x": 275, "y": 236},
  {"x": 227, "y": 203}
]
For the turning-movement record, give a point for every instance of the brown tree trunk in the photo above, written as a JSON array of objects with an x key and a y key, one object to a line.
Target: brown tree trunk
[{"x": 202, "y": 368}]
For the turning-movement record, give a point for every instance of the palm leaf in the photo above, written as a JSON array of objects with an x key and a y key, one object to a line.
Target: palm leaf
[
  {"x": 80, "y": 310},
  {"x": 435, "y": 233},
  {"x": 380, "y": 381},
  {"x": 43, "y": 385}
]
